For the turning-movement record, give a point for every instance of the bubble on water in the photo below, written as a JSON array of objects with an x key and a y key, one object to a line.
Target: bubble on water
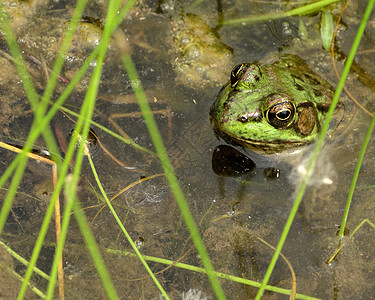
[
  {"x": 192, "y": 52},
  {"x": 185, "y": 40},
  {"x": 93, "y": 63},
  {"x": 286, "y": 28}
]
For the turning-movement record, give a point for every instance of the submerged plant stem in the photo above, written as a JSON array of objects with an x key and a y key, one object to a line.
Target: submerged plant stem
[
  {"x": 124, "y": 231},
  {"x": 218, "y": 274}
]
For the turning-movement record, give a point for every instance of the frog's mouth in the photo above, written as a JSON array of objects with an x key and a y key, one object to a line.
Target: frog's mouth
[{"x": 260, "y": 146}]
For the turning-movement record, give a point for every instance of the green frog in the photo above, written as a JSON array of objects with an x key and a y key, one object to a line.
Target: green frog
[{"x": 273, "y": 107}]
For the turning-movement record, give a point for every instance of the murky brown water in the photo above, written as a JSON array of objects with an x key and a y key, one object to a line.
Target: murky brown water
[{"x": 231, "y": 212}]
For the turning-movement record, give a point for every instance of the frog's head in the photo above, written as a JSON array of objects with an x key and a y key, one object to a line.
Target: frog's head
[{"x": 254, "y": 110}]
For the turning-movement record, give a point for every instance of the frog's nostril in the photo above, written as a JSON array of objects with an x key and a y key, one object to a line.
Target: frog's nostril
[{"x": 242, "y": 118}]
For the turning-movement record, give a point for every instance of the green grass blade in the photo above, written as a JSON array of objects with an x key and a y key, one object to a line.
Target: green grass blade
[
  {"x": 69, "y": 34},
  {"x": 218, "y": 274},
  {"x": 60, "y": 243},
  {"x": 51, "y": 144},
  {"x": 17, "y": 56},
  {"x": 34, "y": 101},
  {"x": 63, "y": 172},
  {"x": 24, "y": 261},
  {"x": 82, "y": 127},
  {"x": 30, "y": 91},
  {"x": 90, "y": 241},
  {"x": 34, "y": 134},
  {"x": 303, "y": 10},
  {"x": 355, "y": 177},
  {"x": 171, "y": 177},
  {"x": 127, "y": 235},
  {"x": 319, "y": 144},
  {"x": 31, "y": 286},
  {"x": 40, "y": 239},
  {"x": 110, "y": 132}
]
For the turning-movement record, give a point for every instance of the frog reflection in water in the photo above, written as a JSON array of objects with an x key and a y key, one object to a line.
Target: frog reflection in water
[{"x": 271, "y": 108}]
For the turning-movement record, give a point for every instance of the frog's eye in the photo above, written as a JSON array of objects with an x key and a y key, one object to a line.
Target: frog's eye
[
  {"x": 237, "y": 73},
  {"x": 281, "y": 114},
  {"x": 250, "y": 74}
]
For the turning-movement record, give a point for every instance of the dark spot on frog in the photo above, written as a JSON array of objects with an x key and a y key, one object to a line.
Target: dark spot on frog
[
  {"x": 312, "y": 79},
  {"x": 298, "y": 87},
  {"x": 297, "y": 79},
  {"x": 318, "y": 93},
  {"x": 307, "y": 79}
]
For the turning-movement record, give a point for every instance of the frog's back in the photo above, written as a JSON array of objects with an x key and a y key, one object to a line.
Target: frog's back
[{"x": 301, "y": 82}]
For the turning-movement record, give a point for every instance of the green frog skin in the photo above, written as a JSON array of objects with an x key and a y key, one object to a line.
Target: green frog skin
[{"x": 271, "y": 108}]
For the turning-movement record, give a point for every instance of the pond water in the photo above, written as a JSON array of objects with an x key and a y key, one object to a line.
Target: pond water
[{"x": 184, "y": 58}]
